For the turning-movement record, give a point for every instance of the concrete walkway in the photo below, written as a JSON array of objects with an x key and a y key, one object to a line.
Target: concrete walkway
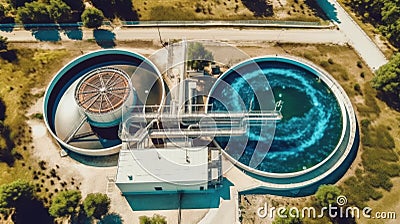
[
  {"x": 219, "y": 34},
  {"x": 356, "y": 37}
]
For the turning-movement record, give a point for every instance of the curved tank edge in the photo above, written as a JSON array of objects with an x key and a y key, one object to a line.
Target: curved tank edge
[
  {"x": 348, "y": 112},
  {"x": 90, "y": 152}
]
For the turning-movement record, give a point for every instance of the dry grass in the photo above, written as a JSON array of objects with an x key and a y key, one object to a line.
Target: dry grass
[
  {"x": 31, "y": 69},
  {"x": 220, "y": 10}
]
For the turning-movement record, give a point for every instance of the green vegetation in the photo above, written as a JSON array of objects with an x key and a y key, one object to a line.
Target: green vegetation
[
  {"x": 21, "y": 70},
  {"x": 18, "y": 200},
  {"x": 65, "y": 11},
  {"x": 198, "y": 56},
  {"x": 96, "y": 205},
  {"x": 327, "y": 195},
  {"x": 34, "y": 12},
  {"x": 300, "y": 10},
  {"x": 15, "y": 194},
  {"x": 155, "y": 219},
  {"x": 65, "y": 203},
  {"x": 383, "y": 14},
  {"x": 51, "y": 11},
  {"x": 387, "y": 81},
  {"x": 59, "y": 11},
  {"x": 92, "y": 18}
]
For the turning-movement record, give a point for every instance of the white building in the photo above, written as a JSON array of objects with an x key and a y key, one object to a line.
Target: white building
[{"x": 164, "y": 170}]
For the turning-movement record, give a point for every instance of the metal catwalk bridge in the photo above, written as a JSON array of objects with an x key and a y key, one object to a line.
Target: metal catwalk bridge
[{"x": 136, "y": 128}]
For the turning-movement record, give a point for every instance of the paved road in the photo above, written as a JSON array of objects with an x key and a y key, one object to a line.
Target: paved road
[
  {"x": 366, "y": 48},
  {"x": 291, "y": 35},
  {"x": 221, "y": 34}
]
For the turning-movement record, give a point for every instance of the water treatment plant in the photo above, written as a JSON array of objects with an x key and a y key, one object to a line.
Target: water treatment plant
[{"x": 285, "y": 122}]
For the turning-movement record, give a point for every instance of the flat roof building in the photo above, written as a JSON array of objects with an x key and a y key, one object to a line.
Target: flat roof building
[{"x": 158, "y": 170}]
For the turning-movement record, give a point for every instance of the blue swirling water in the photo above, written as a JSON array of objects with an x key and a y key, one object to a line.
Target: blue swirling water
[{"x": 311, "y": 125}]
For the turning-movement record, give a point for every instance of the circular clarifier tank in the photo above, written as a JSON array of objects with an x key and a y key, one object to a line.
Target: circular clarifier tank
[
  {"x": 84, "y": 102},
  {"x": 317, "y": 130}
]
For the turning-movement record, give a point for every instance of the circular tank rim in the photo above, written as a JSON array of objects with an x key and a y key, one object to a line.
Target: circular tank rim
[
  {"x": 91, "y": 152},
  {"x": 340, "y": 95}
]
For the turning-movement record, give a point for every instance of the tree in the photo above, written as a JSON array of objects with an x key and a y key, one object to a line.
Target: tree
[
  {"x": 383, "y": 14},
  {"x": 92, "y": 17},
  {"x": 16, "y": 193},
  {"x": 34, "y": 12},
  {"x": 198, "y": 56},
  {"x": 327, "y": 194},
  {"x": 59, "y": 11},
  {"x": 387, "y": 78},
  {"x": 65, "y": 203},
  {"x": 96, "y": 205},
  {"x": 156, "y": 219}
]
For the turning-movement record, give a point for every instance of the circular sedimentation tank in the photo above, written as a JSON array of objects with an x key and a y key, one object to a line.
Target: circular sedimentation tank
[
  {"x": 86, "y": 98},
  {"x": 315, "y": 135}
]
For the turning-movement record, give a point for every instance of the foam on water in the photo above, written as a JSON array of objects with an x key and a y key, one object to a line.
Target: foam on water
[{"x": 305, "y": 136}]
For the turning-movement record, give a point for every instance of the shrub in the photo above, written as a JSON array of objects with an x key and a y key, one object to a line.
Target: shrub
[
  {"x": 359, "y": 64},
  {"x": 96, "y": 205},
  {"x": 357, "y": 88},
  {"x": 324, "y": 64},
  {"x": 92, "y": 18},
  {"x": 65, "y": 203}
]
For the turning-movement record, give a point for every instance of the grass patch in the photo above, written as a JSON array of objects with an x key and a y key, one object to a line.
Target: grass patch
[
  {"x": 370, "y": 106},
  {"x": 225, "y": 10},
  {"x": 32, "y": 68}
]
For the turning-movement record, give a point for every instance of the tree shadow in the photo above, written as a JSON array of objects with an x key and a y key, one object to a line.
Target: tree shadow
[
  {"x": 7, "y": 24},
  {"x": 112, "y": 218},
  {"x": 32, "y": 210},
  {"x": 329, "y": 10},
  {"x": 95, "y": 161},
  {"x": 6, "y": 154},
  {"x": 50, "y": 35},
  {"x": 80, "y": 217},
  {"x": 122, "y": 9},
  {"x": 260, "y": 8},
  {"x": 10, "y": 55},
  {"x": 125, "y": 10},
  {"x": 391, "y": 100},
  {"x": 202, "y": 200},
  {"x": 2, "y": 110},
  {"x": 74, "y": 33},
  {"x": 104, "y": 38}
]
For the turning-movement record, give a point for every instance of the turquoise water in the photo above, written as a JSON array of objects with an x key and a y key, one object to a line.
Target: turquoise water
[{"x": 309, "y": 131}]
